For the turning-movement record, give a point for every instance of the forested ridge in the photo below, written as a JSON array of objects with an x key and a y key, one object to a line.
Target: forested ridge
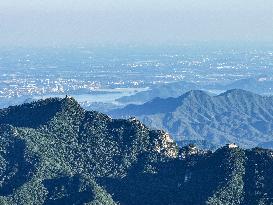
[{"x": 55, "y": 152}]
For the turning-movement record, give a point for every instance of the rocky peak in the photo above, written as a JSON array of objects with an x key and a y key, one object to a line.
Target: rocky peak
[
  {"x": 165, "y": 144},
  {"x": 190, "y": 151}
]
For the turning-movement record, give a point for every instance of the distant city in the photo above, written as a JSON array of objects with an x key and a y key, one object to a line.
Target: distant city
[{"x": 103, "y": 75}]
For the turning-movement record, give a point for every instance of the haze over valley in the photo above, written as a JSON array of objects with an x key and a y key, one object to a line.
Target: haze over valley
[
  {"x": 117, "y": 102},
  {"x": 99, "y": 77}
]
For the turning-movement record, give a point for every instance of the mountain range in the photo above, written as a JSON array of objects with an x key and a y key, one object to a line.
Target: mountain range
[
  {"x": 234, "y": 116},
  {"x": 55, "y": 152},
  {"x": 260, "y": 85}
]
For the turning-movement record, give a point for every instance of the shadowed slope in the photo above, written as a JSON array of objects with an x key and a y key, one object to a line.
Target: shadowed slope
[{"x": 234, "y": 116}]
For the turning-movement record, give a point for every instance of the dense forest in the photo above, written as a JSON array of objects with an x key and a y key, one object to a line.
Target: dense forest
[{"x": 54, "y": 152}]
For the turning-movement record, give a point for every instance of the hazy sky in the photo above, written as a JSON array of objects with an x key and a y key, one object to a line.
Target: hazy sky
[{"x": 64, "y": 22}]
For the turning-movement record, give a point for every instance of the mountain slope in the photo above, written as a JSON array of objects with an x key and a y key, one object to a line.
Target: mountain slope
[
  {"x": 58, "y": 140},
  {"x": 234, "y": 116},
  {"x": 71, "y": 156},
  {"x": 162, "y": 90}
]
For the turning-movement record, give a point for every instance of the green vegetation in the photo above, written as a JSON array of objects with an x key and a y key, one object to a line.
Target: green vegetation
[
  {"x": 211, "y": 121},
  {"x": 61, "y": 154}
]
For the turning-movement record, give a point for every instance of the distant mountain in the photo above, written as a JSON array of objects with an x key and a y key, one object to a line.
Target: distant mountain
[
  {"x": 234, "y": 116},
  {"x": 162, "y": 90},
  {"x": 100, "y": 106},
  {"x": 55, "y": 152},
  {"x": 260, "y": 85}
]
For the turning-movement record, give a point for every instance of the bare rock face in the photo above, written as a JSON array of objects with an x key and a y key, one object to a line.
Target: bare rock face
[{"x": 166, "y": 145}]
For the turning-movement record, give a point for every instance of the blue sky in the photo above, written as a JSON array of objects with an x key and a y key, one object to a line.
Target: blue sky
[{"x": 65, "y": 22}]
